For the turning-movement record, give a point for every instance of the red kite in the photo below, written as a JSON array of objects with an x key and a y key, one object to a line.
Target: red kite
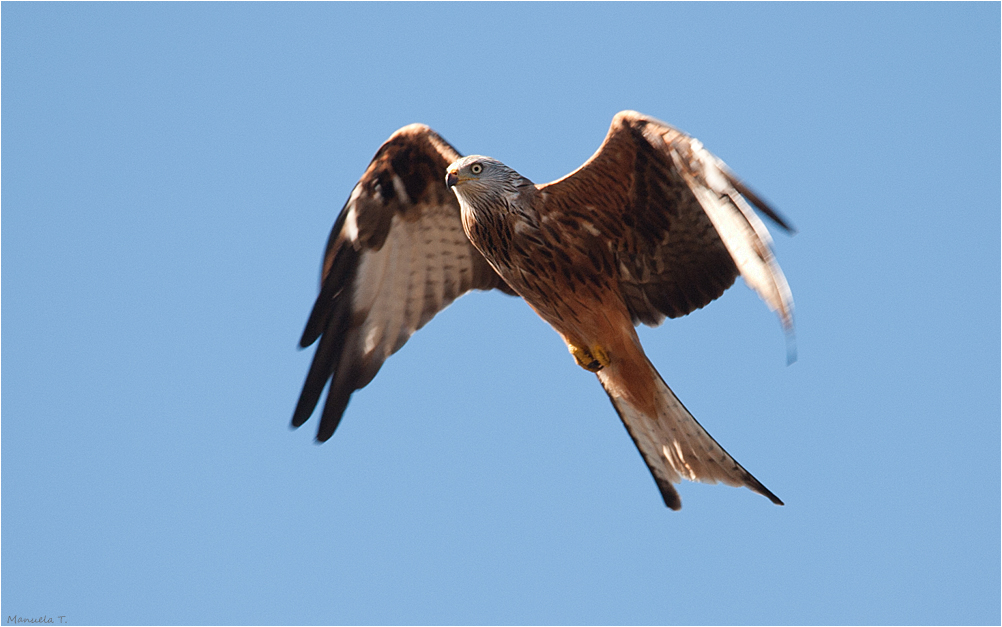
[{"x": 652, "y": 225}]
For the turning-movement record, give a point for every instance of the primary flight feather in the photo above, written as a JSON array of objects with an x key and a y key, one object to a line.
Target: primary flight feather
[{"x": 651, "y": 226}]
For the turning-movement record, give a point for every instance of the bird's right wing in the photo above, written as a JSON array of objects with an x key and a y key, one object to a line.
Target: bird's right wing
[{"x": 397, "y": 255}]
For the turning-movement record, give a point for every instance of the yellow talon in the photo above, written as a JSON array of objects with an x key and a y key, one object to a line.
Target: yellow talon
[{"x": 593, "y": 359}]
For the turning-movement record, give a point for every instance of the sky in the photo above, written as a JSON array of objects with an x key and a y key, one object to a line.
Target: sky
[{"x": 170, "y": 174}]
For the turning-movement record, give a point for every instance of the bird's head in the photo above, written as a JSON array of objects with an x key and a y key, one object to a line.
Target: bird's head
[
  {"x": 477, "y": 169},
  {"x": 483, "y": 181}
]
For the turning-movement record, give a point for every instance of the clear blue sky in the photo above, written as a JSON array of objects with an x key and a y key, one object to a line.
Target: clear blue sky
[{"x": 170, "y": 175}]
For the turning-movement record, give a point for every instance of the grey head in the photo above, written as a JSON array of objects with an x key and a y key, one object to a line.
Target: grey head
[{"x": 483, "y": 183}]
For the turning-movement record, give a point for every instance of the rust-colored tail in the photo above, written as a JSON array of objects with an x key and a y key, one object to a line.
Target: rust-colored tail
[{"x": 670, "y": 440}]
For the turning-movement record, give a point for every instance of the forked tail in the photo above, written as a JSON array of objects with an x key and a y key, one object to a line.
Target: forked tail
[{"x": 670, "y": 440}]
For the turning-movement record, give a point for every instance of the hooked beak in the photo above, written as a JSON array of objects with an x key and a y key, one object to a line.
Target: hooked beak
[{"x": 451, "y": 178}]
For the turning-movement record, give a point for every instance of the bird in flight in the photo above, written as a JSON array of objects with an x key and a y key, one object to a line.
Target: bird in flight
[{"x": 651, "y": 226}]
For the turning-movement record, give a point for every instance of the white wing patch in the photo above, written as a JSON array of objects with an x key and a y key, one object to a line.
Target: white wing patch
[
  {"x": 351, "y": 220},
  {"x": 419, "y": 270}
]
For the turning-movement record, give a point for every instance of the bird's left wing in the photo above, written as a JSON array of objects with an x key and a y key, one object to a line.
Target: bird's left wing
[
  {"x": 397, "y": 255},
  {"x": 679, "y": 223}
]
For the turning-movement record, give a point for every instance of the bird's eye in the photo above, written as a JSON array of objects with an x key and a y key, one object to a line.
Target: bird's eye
[{"x": 476, "y": 168}]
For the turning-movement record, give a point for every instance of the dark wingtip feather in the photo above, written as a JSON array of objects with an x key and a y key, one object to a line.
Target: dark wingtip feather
[
  {"x": 344, "y": 265},
  {"x": 762, "y": 206},
  {"x": 316, "y": 380},
  {"x": 301, "y": 414},
  {"x": 337, "y": 402},
  {"x": 325, "y": 360}
]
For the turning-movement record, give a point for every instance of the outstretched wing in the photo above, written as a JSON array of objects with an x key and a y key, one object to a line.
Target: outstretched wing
[
  {"x": 397, "y": 255},
  {"x": 677, "y": 220}
]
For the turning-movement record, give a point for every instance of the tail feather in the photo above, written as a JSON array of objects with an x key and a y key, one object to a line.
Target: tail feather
[{"x": 673, "y": 444}]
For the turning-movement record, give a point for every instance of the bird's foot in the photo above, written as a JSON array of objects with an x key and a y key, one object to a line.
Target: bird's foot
[{"x": 591, "y": 359}]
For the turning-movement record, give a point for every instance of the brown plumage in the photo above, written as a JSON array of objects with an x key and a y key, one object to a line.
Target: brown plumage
[
  {"x": 651, "y": 226},
  {"x": 397, "y": 255}
]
